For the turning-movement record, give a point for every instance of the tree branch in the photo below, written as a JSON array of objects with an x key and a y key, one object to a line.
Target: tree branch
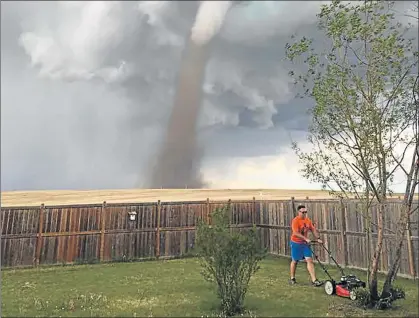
[
  {"x": 399, "y": 161},
  {"x": 338, "y": 183},
  {"x": 396, "y": 88}
]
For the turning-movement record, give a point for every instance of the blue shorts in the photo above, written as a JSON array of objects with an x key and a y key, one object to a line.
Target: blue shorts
[{"x": 300, "y": 251}]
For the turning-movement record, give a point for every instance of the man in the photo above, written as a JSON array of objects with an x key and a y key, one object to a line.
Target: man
[{"x": 300, "y": 249}]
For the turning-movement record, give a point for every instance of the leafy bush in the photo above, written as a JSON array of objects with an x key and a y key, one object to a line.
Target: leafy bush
[
  {"x": 364, "y": 299},
  {"x": 397, "y": 293},
  {"x": 386, "y": 301},
  {"x": 229, "y": 258}
]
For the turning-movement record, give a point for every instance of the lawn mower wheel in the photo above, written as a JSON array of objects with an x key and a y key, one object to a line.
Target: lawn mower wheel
[{"x": 330, "y": 287}]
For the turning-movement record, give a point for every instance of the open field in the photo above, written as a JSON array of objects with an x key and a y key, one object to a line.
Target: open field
[
  {"x": 72, "y": 197},
  {"x": 174, "y": 288}
]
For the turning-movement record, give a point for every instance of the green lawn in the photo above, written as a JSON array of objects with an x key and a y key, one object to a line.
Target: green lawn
[{"x": 173, "y": 288}]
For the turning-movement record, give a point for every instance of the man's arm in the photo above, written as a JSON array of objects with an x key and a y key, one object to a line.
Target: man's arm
[
  {"x": 295, "y": 231},
  {"x": 315, "y": 232}
]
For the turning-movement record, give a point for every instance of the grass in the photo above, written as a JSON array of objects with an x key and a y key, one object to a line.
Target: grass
[{"x": 173, "y": 288}]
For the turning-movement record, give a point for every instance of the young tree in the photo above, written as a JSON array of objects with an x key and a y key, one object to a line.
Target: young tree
[
  {"x": 229, "y": 258},
  {"x": 364, "y": 122},
  {"x": 412, "y": 182}
]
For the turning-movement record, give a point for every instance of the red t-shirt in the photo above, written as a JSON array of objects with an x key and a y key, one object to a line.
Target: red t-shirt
[{"x": 301, "y": 226}]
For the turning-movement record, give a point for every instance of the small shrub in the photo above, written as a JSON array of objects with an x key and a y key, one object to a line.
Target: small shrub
[
  {"x": 229, "y": 258},
  {"x": 397, "y": 293},
  {"x": 386, "y": 301},
  {"x": 364, "y": 300}
]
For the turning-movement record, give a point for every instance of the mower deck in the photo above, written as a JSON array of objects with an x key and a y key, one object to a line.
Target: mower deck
[
  {"x": 345, "y": 287},
  {"x": 347, "y": 284}
]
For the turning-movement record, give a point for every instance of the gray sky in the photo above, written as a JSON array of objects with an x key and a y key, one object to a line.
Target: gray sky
[{"x": 87, "y": 89}]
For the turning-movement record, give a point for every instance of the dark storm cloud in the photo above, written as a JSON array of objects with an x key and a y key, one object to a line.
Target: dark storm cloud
[
  {"x": 91, "y": 114},
  {"x": 253, "y": 142},
  {"x": 95, "y": 134}
]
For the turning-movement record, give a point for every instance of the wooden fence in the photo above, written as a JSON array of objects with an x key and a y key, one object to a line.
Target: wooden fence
[{"x": 98, "y": 233}]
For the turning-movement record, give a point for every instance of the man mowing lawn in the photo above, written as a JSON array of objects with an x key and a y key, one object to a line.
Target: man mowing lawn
[{"x": 300, "y": 249}]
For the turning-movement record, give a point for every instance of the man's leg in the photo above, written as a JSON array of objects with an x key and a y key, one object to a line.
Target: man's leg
[
  {"x": 293, "y": 267},
  {"x": 296, "y": 255},
  {"x": 310, "y": 266}
]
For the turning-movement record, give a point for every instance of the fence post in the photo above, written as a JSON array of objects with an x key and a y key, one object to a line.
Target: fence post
[
  {"x": 158, "y": 229},
  {"x": 293, "y": 209},
  {"x": 325, "y": 227},
  {"x": 262, "y": 222},
  {"x": 207, "y": 211},
  {"x": 254, "y": 211},
  {"x": 261, "y": 211},
  {"x": 102, "y": 231},
  {"x": 39, "y": 238},
  {"x": 293, "y": 205},
  {"x": 343, "y": 233},
  {"x": 231, "y": 213}
]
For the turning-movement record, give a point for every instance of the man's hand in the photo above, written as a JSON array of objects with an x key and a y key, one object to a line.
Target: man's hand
[{"x": 320, "y": 241}]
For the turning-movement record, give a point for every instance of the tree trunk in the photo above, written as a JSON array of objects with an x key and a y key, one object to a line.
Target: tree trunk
[
  {"x": 411, "y": 185},
  {"x": 367, "y": 218},
  {"x": 373, "y": 283},
  {"x": 369, "y": 249},
  {"x": 400, "y": 236}
]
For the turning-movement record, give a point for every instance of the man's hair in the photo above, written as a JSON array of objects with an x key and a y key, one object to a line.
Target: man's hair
[{"x": 300, "y": 207}]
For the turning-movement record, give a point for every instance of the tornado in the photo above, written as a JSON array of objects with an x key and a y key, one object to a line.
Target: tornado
[{"x": 179, "y": 160}]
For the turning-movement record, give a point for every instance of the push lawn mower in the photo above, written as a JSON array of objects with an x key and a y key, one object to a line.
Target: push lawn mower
[{"x": 347, "y": 284}]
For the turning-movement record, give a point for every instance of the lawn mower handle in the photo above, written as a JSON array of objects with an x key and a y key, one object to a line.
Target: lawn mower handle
[{"x": 314, "y": 242}]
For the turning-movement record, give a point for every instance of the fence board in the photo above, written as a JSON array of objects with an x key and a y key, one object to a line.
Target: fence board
[{"x": 19, "y": 229}]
